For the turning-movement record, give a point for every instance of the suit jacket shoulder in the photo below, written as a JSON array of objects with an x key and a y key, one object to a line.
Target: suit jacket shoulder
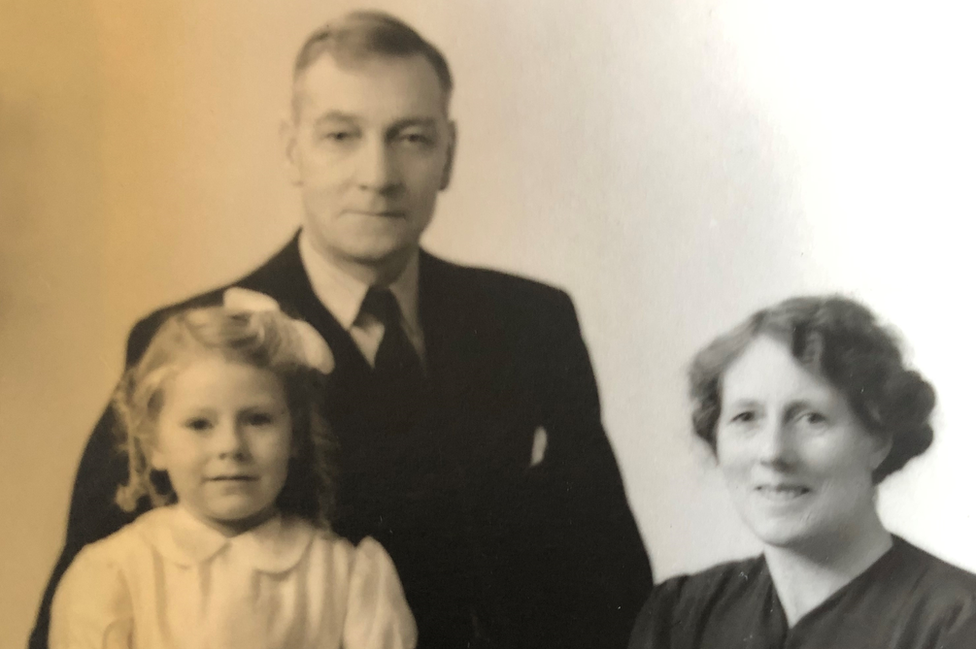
[
  {"x": 281, "y": 274},
  {"x": 493, "y": 289}
]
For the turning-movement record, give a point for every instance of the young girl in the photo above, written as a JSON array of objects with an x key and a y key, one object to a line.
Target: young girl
[{"x": 224, "y": 437}]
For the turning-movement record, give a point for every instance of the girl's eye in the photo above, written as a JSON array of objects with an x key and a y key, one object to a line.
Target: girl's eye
[
  {"x": 198, "y": 424},
  {"x": 259, "y": 419}
]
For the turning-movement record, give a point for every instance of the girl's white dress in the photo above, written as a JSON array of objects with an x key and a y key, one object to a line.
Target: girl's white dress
[{"x": 168, "y": 581}]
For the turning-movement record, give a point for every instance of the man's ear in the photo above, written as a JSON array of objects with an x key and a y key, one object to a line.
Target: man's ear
[
  {"x": 288, "y": 137},
  {"x": 451, "y": 147}
]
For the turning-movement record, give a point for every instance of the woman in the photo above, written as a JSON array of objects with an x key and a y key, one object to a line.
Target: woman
[{"x": 807, "y": 406}]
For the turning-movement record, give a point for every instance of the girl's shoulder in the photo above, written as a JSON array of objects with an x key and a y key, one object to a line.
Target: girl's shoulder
[
  {"x": 115, "y": 549},
  {"x": 368, "y": 552}
]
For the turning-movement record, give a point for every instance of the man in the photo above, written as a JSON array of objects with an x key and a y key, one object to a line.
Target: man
[{"x": 470, "y": 439}]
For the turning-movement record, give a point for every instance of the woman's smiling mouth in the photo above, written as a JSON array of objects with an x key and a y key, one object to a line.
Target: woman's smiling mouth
[{"x": 781, "y": 493}]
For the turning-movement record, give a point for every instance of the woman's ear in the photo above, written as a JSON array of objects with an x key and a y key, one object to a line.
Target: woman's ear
[{"x": 880, "y": 448}]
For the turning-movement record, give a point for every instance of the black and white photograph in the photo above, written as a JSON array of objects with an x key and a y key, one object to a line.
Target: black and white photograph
[{"x": 518, "y": 325}]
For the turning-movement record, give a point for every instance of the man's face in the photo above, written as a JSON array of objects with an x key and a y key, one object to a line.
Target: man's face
[{"x": 370, "y": 146}]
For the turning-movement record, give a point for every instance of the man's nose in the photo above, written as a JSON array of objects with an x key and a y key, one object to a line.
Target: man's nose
[{"x": 377, "y": 168}]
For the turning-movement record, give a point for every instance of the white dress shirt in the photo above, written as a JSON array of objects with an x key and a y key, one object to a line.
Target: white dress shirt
[
  {"x": 343, "y": 296},
  {"x": 168, "y": 581}
]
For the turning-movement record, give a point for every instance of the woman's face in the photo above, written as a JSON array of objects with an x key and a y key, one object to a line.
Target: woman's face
[{"x": 795, "y": 458}]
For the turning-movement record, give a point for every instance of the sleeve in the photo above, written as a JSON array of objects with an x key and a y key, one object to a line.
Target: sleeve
[
  {"x": 586, "y": 554},
  {"x": 91, "y": 608},
  {"x": 377, "y": 615}
]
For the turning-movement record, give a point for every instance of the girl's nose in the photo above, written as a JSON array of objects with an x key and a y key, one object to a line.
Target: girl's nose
[{"x": 230, "y": 441}]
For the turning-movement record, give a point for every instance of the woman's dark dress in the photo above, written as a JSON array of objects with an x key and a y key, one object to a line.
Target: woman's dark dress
[{"x": 907, "y": 599}]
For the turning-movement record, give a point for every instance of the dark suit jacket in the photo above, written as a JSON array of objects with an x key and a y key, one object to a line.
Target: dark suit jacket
[{"x": 492, "y": 550}]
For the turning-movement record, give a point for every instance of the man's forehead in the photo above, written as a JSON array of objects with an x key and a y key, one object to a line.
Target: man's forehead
[{"x": 405, "y": 86}]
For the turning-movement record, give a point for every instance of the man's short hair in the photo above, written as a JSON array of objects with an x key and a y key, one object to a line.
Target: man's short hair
[{"x": 363, "y": 34}]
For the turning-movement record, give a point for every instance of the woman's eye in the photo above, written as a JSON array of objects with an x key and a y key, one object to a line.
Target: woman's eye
[
  {"x": 744, "y": 417},
  {"x": 814, "y": 418},
  {"x": 198, "y": 424}
]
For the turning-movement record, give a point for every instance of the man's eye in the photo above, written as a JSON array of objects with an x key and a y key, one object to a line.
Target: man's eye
[
  {"x": 417, "y": 138},
  {"x": 199, "y": 424},
  {"x": 337, "y": 136}
]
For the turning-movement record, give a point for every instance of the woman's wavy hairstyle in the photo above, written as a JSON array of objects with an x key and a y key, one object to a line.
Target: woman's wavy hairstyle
[
  {"x": 840, "y": 340},
  {"x": 262, "y": 339}
]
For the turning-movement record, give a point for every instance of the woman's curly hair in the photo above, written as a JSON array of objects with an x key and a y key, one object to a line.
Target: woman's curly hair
[
  {"x": 840, "y": 340},
  {"x": 262, "y": 339}
]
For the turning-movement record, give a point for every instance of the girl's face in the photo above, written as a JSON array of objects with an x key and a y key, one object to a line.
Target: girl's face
[
  {"x": 796, "y": 459},
  {"x": 224, "y": 437}
]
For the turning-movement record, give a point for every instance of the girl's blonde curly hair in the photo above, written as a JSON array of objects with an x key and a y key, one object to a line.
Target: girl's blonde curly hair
[{"x": 262, "y": 339}]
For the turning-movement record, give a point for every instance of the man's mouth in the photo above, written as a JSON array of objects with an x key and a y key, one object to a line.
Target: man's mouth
[
  {"x": 388, "y": 214},
  {"x": 233, "y": 478}
]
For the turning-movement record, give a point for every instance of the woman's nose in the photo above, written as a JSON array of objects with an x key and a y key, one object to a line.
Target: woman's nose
[{"x": 776, "y": 445}]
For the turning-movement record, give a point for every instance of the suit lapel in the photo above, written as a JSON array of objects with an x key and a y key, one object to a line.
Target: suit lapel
[
  {"x": 450, "y": 333},
  {"x": 284, "y": 278}
]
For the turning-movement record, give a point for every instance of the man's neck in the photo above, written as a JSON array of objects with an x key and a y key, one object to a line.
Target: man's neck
[{"x": 371, "y": 273}]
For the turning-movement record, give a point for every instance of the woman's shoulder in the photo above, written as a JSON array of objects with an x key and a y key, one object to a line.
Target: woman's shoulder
[
  {"x": 934, "y": 598},
  {"x": 722, "y": 580},
  {"x": 935, "y": 581},
  {"x": 684, "y": 600}
]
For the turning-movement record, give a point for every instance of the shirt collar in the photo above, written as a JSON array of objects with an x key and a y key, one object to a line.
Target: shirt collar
[
  {"x": 343, "y": 294},
  {"x": 275, "y": 546}
]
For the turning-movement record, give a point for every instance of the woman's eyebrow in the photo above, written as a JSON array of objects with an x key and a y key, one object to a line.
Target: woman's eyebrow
[{"x": 744, "y": 402}]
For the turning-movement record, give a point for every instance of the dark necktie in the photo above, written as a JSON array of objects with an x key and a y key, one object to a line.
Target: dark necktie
[{"x": 397, "y": 370}]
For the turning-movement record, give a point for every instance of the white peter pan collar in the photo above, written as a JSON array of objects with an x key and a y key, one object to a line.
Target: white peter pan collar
[{"x": 275, "y": 546}]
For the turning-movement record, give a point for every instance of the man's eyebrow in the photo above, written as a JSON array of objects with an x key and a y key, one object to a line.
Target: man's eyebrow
[
  {"x": 413, "y": 121},
  {"x": 335, "y": 116}
]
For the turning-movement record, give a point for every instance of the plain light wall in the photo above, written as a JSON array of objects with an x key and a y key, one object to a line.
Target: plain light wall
[{"x": 673, "y": 164}]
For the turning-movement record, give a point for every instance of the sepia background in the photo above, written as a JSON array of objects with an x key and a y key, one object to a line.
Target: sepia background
[{"x": 674, "y": 164}]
